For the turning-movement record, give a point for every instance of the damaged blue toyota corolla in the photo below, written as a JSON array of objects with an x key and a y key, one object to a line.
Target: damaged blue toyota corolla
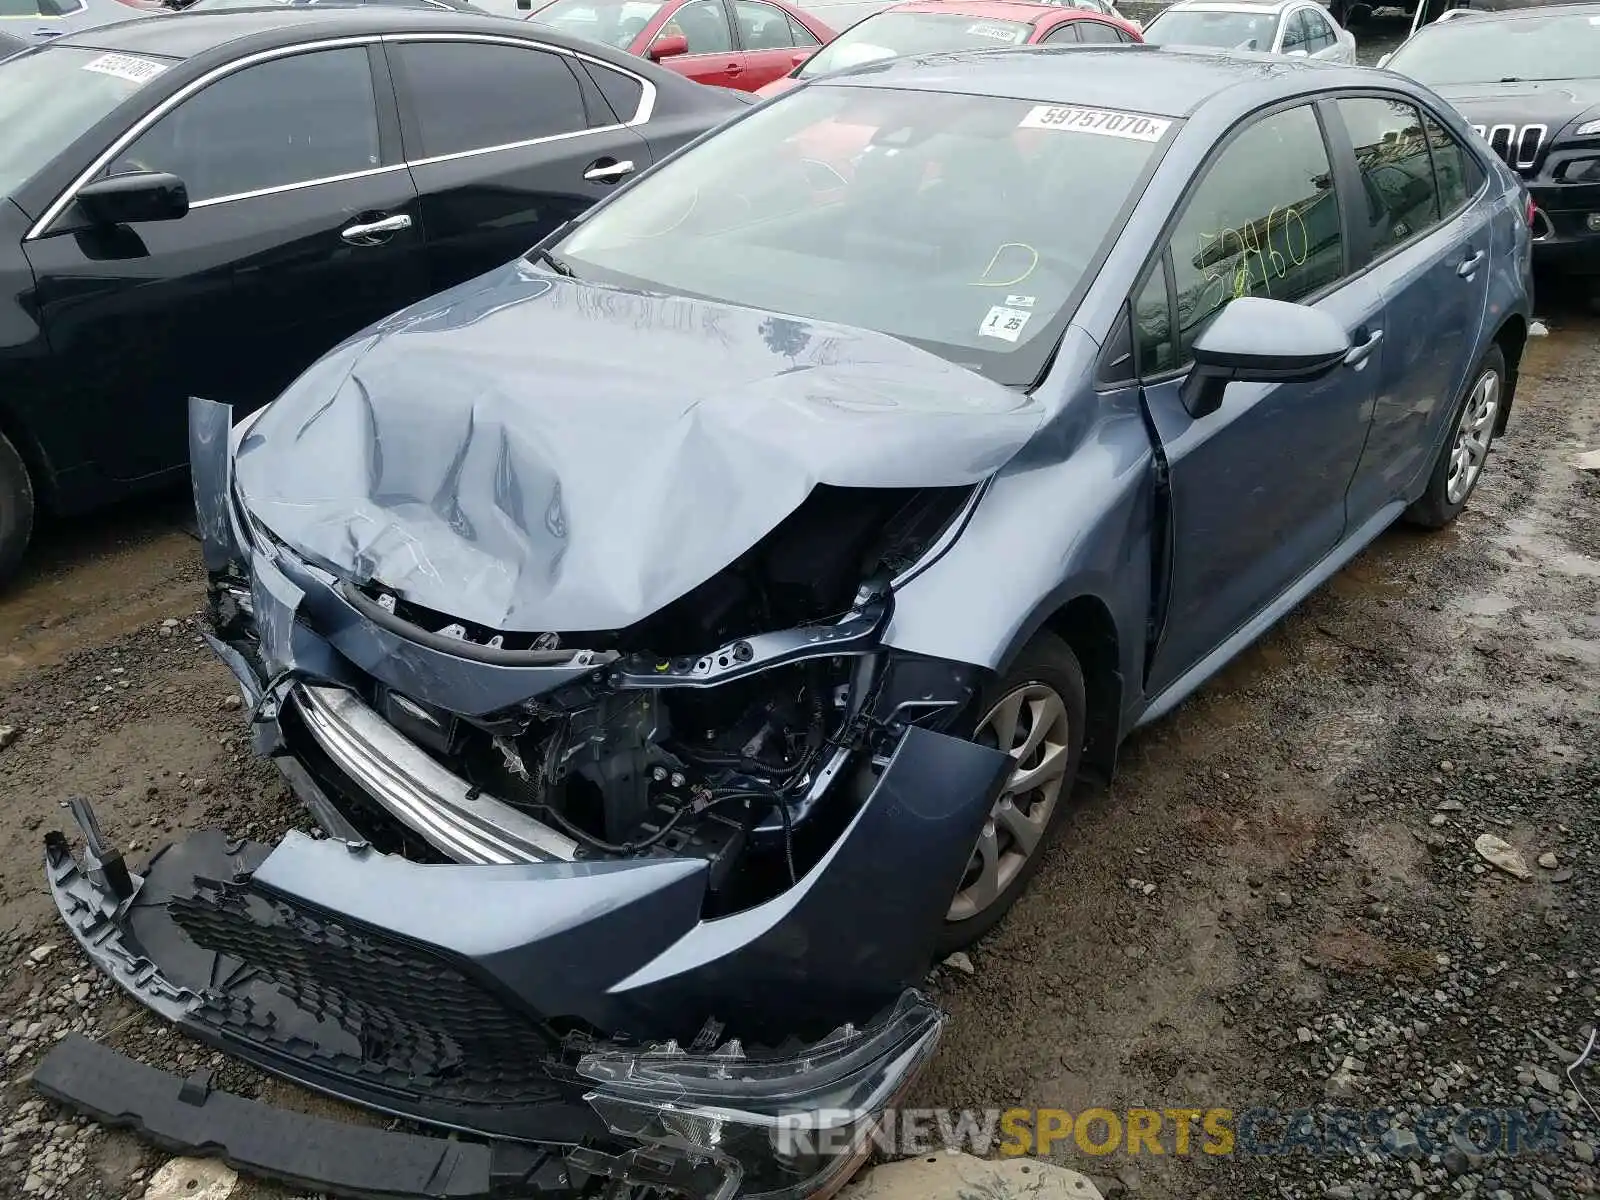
[{"x": 685, "y": 633}]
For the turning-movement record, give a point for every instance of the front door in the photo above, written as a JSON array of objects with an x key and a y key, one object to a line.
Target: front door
[
  {"x": 713, "y": 56},
  {"x": 302, "y": 229},
  {"x": 1431, "y": 252},
  {"x": 505, "y": 142},
  {"x": 1258, "y": 487}
]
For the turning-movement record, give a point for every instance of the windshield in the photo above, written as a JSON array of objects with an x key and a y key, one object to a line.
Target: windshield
[
  {"x": 889, "y": 35},
  {"x": 962, "y": 224},
  {"x": 1225, "y": 30},
  {"x": 50, "y": 98},
  {"x": 615, "y": 24},
  {"x": 1553, "y": 45}
]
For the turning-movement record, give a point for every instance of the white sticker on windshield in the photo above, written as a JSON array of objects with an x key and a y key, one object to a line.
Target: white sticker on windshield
[
  {"x": 998, "y": 32},
  {"x": 1003, "y": 322},
  {"x": 1019, "y": 301},
  {"x": 1095, "y": 120},
  {"x": 125, "y": 66}
]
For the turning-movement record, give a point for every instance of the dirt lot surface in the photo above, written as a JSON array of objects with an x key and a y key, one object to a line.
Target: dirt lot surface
[{"x": 1278, "y": 902}]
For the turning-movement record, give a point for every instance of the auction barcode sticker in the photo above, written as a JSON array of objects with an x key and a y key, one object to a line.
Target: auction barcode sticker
[
  {"x": 125, "y": 66},
  {"x": 1103, "y": 121}
]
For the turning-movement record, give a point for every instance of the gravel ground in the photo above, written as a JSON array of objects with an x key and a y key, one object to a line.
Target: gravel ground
[{"x": 1278, "y": 903}]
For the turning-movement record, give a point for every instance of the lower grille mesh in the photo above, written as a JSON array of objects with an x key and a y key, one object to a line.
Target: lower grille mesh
[{"x": 359, "y": 1003}]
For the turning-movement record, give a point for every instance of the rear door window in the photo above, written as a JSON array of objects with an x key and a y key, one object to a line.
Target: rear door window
[
  {"x": 1096, "y": 31},
  {"x": 1402, "y": 200},
  {"x": 467, "y": 96},
  {"x": 1456, "y": 172},
  {"x": 1319, "y": 34},
  {"x": 1294, "y": 33},
  {"x": 1066, "y": 32},
  {"x": 761, "y": 26}
]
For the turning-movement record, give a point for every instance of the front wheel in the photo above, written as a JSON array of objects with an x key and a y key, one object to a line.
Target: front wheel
[
  {"x": 1461, "y": 460},
  {"x": 1036, "y": 712},
  {"x": 16, "y": 508}
]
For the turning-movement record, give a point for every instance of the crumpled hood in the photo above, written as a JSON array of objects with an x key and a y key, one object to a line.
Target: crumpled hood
[{"x": 535, "y": 453}]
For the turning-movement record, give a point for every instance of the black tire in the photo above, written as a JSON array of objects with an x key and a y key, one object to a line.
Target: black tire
[
  {"x": 16, "y": 509},
  {"x": 1435, "y": 509},
  {"x": 1049, "y": 661}
]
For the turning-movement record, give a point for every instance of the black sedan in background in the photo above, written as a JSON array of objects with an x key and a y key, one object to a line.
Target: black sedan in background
[
  {"x": 203, "y": 204},
  {"x": 1528, "y": 81}
]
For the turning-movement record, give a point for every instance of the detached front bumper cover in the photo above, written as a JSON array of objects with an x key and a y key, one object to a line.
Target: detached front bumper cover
[{"x": 200, "y": 940}]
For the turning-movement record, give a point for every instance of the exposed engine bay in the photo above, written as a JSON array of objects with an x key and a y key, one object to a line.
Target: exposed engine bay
[{"x": 699, "y": 732}]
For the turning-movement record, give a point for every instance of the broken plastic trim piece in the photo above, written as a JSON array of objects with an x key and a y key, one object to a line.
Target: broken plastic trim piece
[
  {"x": 187, "y": 1116},
  {"x": 785, "y": 1128}
]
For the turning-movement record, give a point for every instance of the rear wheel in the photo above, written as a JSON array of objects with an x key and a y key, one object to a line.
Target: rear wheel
[
  {"x": 16, "y": 508},
  {"x": 1036, "y": 713}
]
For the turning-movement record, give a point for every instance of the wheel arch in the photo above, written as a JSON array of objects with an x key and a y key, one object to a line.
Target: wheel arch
[
  {"x": 34, "y": 458},
  {"x": 1085, "y": 623},
  {"x": 1512, "y": 338}
]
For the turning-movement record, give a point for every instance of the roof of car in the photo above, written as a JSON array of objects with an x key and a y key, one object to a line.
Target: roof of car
[
  {"x": 994, "y": 10},
  {"x": 184, "y": 35},
  {"x": 1160, "y": 80}
]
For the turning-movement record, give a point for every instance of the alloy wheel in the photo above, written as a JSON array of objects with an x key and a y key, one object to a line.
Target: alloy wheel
[
  {"x": 1473, "y": 436},
  {"x": 1031, "y": 724}
]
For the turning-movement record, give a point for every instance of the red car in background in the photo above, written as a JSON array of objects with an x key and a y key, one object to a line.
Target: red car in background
[
  {"x": 739, "y": 44},
  {"x": 927, "y": 26}
]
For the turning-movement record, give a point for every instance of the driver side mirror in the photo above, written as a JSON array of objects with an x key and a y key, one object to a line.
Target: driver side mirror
[
  {"x": 134, "y": 197},
  {"x": 1257, "y": 340},
  {"x": 670, "y": 46}
]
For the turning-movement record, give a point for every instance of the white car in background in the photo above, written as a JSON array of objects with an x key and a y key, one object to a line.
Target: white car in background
[{"x": 1299, "y": 28}]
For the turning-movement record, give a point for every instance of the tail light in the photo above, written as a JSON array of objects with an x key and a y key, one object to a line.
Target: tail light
[{"x": 1531, "y": 212}]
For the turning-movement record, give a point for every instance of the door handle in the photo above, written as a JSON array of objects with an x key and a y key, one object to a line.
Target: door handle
[
  {"x": 1358, "y": 355},
  {"x": 608, "y": 170},
  {"x": 1468, "y": 268},
  {"x": 375, "y": 233},
  {"x": 733, "y": 68}
]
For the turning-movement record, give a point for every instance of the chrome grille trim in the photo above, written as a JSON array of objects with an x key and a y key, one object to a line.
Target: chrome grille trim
[
  {"x": 469, "y": 826},
  {"x": 1517, "y": 146}
]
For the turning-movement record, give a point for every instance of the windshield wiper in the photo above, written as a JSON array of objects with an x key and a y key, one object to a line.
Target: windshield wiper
[{"x": 554, "y": 263}]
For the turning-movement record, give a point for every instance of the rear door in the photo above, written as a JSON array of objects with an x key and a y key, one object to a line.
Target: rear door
[
  {"x": 1429, "y": 248},
  {"x": 768, "y": 35},
  {"x": 303, "y": 228},
  {"x": 506, "y": 139},
  {"x": 1258, "y": 487},
  {"x": 714, "y": 56}
]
